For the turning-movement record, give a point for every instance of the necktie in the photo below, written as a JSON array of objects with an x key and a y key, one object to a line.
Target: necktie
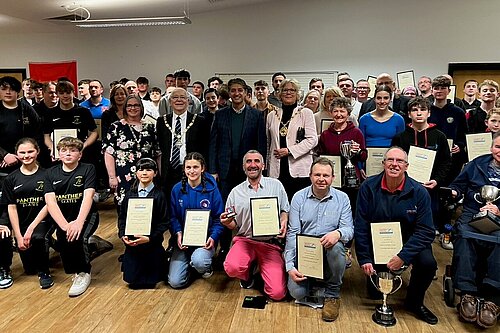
[{"x": 175, "y": 160}]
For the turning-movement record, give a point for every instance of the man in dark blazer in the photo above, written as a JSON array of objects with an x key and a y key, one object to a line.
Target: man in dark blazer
[
  {"x": 399, "y": 103},
  {"x": 235, "y": 130},
  {"x": 194, "y": 133}
]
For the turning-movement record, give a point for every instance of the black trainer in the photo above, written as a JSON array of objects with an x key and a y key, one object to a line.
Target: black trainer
[{"x": 45, "y": 280}]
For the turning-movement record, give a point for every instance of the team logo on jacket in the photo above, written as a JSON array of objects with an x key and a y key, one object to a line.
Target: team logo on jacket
[
  {"x": 78, "y": 181},
  {"x": 450, "y": 120},
  {"x": 181, "y": 202},
  {"x": 39, "y": 186},
  {"x": 77, "y": 120},
  {"x": 205, "y": 203}
]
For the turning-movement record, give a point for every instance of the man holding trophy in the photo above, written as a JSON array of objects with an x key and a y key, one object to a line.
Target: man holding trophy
[
  {"x": 476, "y": 239},
  {"x": 393, "y": 228}
]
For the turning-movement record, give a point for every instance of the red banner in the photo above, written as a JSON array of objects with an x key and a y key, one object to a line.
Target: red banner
[{"x": 51, "y": 71}]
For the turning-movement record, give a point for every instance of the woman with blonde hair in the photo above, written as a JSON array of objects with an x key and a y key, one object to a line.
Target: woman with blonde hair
[
  {"x": 324, "y": 113},
  {"x": 291, "y": 138}
]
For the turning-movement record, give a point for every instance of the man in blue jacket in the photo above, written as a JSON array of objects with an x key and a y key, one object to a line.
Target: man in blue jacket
[
  {"x": 476, "y": 257},
  {"x": 393, "y": 196}
]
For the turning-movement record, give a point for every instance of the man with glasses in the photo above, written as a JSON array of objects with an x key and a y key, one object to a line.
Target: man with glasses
[
  {"x": 392, "y": 196},
  {"x": 97, "y": 104},
  {"x": 424, "y": 86},
  {"x": 347, "y": 87},
  {"x": 398, "y": 104},
  {"x": 182, "y": 80},
  {"x": 362, "y": 90}
]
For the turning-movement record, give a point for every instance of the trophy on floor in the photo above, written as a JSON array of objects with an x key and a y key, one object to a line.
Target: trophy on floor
[
  {"x": 350, "y": 177},
  {"x": 485, "y": 221},
  {"x": 384, "y": 314}
]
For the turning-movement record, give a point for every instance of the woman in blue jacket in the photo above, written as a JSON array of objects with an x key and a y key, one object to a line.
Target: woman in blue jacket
[{"x": 196, "y": 190}]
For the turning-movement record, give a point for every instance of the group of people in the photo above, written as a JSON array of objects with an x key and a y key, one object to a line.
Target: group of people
[{"x": 200, "y": 155}]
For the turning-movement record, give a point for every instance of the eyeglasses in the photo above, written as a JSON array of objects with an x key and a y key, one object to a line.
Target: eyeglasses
[
  {"x": 175, "y": 98},
  {"x": 399, "y": 161},
  {"x": 130, "y": 106},
  {"x": 289, "y": 91}
]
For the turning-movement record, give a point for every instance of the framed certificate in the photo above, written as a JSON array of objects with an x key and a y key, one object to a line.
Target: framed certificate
[
  {"x": 325, "y": 123},
  {"x": 374, "y": 161},
  {"x": 478, "y": 144},
  {"x": 265, "y": 216},
  {"x": 420, "y": 161},
  {"x": 372, "y": 81},
  {"x": 99, "y": 128},
  {"x": 386, "y": 241},
  {"x": 406, "y": 79},
  {"x": 453, "y": 93},
  {"x": 59, "y": 134},
  {"x": 196, "y": 227},
  {"x": 149, "y": 119},
  {"x": 310, "y": 256},
  {"x": 337, "y": 170},
  {"x": 139, "y": 216}
]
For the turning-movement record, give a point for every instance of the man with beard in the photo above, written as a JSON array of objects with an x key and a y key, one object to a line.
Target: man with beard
[{"x": 249, "y": 253}]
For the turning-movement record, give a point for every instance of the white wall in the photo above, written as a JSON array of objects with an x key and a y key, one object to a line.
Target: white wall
[{"x": 363, "y": 37}]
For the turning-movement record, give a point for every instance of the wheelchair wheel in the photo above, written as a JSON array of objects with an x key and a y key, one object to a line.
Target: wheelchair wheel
[{"x": 449, "y": 292}]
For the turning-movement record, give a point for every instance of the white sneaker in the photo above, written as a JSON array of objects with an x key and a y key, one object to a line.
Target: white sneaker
[{"x": 81, "y": 282}]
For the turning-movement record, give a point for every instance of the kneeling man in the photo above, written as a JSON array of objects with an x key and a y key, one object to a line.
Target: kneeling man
[
  {"x": 250, "y": 253},
  {"x": 322, "y": 211},
  {"x": 392, "y": 196}
]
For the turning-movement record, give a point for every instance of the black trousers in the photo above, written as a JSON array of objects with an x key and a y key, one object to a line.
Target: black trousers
[
  {"x": 75, "y": 255},
  {"x": 36, "y": 258},
  {"x": 424, "y": 268}
]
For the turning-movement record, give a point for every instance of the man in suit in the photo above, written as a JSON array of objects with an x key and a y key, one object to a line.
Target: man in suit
[
  {"x": 236, "y": 129},
  {"x": 179, "y": 133},
  {"x": 398, "y": 104}
]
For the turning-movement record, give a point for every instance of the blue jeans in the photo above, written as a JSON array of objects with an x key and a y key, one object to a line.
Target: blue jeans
[
  {"x": 200, "y": 259},
  {"x": 334, "y": 268}
]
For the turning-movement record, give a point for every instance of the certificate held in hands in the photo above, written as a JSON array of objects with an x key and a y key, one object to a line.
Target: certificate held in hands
[
  {"x": 310, "y": 256},
  {"x": 420, "y": 161},
  {"x": 265, "y": 216},
  {"x": 139, "y": 216},
  {"x": 386, "y": 241},
  {"x": 196, "y": 227}
]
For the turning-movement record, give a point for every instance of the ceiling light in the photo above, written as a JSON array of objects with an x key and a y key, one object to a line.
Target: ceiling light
[{"x": 133, "y": 22}]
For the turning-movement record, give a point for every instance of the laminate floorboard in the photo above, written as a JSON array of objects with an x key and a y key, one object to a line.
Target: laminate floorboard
[{"x": 212, "y": 305}]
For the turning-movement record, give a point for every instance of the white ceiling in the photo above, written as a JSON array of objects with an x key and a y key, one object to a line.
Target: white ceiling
[{"x": 26, "y": 16}]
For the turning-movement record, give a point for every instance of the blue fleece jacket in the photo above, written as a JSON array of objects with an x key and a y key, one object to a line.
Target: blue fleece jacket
[
  {"x": 195, "y": 198},
  {"x": 468, "y": 183},
  {"x": 411, "y": 207}
]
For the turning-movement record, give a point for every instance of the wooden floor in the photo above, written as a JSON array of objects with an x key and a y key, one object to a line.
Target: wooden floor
[{"x": 212, "y": 305}]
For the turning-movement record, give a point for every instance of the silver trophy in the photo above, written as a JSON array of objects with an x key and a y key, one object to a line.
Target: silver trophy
[
  {"x": 485, "y": 221},
  {"x": 350, "y": 177},
  {"x": 384, "y": 314}
]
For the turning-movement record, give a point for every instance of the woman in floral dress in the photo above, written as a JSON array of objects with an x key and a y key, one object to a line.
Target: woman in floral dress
[{"x": 127, "y": 141}]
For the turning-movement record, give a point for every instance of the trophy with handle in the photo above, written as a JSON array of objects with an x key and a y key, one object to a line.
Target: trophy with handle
[
  {"x": 350, "y": 177},
  {"x": 485, "y": 221},
  {"x": 384, "y": 314}
]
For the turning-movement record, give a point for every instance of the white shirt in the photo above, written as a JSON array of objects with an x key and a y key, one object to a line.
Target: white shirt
[{"x": 183, "y": 133}]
